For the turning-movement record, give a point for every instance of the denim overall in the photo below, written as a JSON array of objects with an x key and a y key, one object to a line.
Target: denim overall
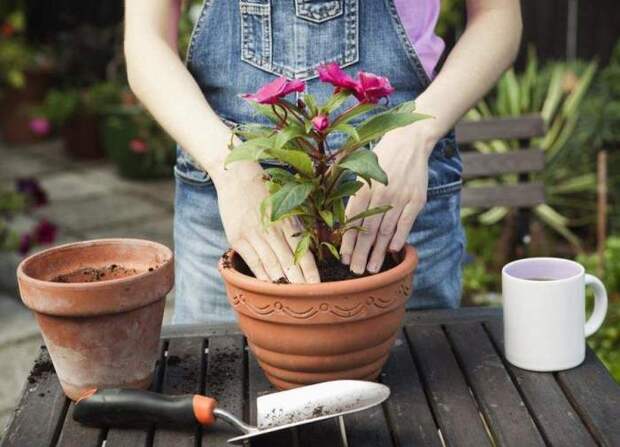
[{"x": 239, "y": 45}]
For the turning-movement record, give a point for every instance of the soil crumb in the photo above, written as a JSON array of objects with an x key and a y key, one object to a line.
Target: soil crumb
[
  {"x": 40, "y": 368},
  {"x": 90, "y": 274},
  {"x": 330, "y": 270}
]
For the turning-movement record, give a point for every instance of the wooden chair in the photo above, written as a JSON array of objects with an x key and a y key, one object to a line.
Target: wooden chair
[{"x": 525, "y": 194}]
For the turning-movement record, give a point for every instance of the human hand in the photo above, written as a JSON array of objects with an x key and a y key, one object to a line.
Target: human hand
[
  {"x": 403, "y": 154},
  {"x": 268, "y": 251}
]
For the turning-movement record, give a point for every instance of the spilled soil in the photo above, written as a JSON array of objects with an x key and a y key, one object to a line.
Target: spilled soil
[{"x": 91, "y": 274}]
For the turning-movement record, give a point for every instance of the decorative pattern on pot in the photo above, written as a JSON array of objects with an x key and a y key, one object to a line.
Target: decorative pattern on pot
[{"x": 343, "y": 307}]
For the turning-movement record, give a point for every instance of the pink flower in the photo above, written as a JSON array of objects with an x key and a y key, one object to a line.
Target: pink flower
[
  {"x": 320, "y": 123},
  {"x": 138, "y": 146},
  {"x": 334, "y": 75},
  {"x": 270, "y": 93},
  {"x": 40, "y": 126},
  {"x": 25, "y": 244},
  {"x": 372, "y": 88},
  {"x": 44, "y": 232}
]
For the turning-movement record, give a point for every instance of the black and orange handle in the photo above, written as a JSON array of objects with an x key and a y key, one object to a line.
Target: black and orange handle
[{"x": 138, "y": 408}]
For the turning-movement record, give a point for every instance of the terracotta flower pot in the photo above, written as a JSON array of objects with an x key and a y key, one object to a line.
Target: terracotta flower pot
[
  {"x": 104, "y": 333},
  {"x": 309, "y": 333}
]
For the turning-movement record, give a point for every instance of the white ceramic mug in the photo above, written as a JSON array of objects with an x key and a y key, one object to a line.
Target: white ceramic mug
[{"x": 544, "y": 312}]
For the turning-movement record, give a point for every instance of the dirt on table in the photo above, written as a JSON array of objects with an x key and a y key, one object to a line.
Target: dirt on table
[
  {"x": 42, "y": 366},
  {"x": 91, "y": 274}
]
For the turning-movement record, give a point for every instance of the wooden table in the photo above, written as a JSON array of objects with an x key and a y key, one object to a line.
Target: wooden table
[{"x": 448, "y": 378}]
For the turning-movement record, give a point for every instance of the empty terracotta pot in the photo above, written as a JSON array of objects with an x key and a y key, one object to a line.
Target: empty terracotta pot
[
  {"x": 309, "y": 333},
  {"x": 103, "y": 333}
]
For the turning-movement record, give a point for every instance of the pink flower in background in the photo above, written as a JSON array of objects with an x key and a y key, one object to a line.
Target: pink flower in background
[
  {"x": 45, "y": 232},
  {"x": 372, "y": 88},
  {"x": 270, "y": 93},
  {"x": 25, "y": 244},
  {"x": 320, "y": 123},
  {"x": 40, "y": 126},
  {"x": 334, "y": 75},
  {"x": 32, "y": 189},
  {"x": 138, "y": 146}
]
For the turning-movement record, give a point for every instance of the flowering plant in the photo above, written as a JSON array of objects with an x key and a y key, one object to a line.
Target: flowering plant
[{"x": 314, "y": 181}]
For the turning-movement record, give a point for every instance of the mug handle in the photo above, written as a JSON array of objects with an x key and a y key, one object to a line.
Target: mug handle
[{"x": 600, "y": 305}]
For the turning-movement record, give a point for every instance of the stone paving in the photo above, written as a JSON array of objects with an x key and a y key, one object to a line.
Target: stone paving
[{"x": 87, "y": 200}]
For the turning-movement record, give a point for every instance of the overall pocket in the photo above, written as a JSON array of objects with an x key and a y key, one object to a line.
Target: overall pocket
[{"x": 319, "y": 31}]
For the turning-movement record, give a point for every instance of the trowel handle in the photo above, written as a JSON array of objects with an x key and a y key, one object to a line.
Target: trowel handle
[{"x": 138, "y": 408}]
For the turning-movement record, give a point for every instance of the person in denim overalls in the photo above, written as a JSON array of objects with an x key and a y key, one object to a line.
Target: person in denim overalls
[{"x": 239, "y": 45}]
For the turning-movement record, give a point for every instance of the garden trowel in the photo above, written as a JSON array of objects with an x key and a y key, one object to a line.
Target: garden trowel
[{"x": 277, "y": 411}]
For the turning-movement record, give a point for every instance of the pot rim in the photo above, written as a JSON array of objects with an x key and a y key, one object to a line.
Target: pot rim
[
  {"x": 23, "y": 276},
  {"x": 406, "y": 266}
]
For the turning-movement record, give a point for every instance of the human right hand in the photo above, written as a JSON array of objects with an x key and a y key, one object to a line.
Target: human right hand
[{"x": 268, "y": 251}]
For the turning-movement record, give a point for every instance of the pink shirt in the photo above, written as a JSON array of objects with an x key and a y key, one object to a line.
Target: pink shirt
[{"x": 419, "y": 18}]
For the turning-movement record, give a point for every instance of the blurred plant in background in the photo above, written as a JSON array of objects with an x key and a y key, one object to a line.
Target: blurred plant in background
[
  {"x": 17, "y": 203},
  {"x": 556, "y": 91},
  {"x": 606, "y": 342}
]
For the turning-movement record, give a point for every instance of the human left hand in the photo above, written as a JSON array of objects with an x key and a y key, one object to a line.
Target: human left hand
[{"x": 403, "y": 154}]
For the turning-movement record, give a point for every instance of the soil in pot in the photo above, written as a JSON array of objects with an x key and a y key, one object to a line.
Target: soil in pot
[
  {"x": 92, "y": 274},
  {"x": 330, "y": 269}
]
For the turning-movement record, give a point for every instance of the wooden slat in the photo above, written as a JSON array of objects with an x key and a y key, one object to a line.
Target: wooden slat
[
  {"x": 444, "y": 316},
  {"x": 75, "y": 434},
  {"x": 40, "y": 413},
  {"x": 555, "y": 417},
  {"x": 408, "y": 411},
  {"x": 138, "y": 437},
  {"x": 522, "y": 127},
  {"x": 596, "y": 396},
  {"x": 224, "y": 381},
  {"x": 368, "y": 428},
  {"x": 258, "y": 385},
  {"x": 183, "y": 375},
  {"x": 476, "y": 164},
  {"x": 171, "y": 331},
  {"x": 520, "y": 195},
  {"x": 508, "y": 418},
  {"x": 453, "y": 406}
]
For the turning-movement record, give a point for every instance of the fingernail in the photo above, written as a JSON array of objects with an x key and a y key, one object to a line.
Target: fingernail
[
  {"x": 346, "y": 259},
  {"x": 357, "y": 270},
  {"x": 372, "y": 268}
]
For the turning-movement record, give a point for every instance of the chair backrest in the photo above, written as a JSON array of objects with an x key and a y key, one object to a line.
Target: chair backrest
[{"x": 525, "y": 194}]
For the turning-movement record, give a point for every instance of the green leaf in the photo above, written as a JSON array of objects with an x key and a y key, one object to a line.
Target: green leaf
[
  {"x": 333, "y": 250},
  {"x": 370, "y": 212},
  {"x": 302, "y": 247},
  {"x": 286, "y": 199},
  {"x": 265, "y": 110},
  {"x": 280, "y": 175},
  {"x": 406, "y": 106},
  {"x": 335, "y": 101},
  {"x": 328, "y": 217},
  {"x": 287, "y": 134},
  {"x": 345, "y": 189},
  {"x": 365, "y": 164},
  {"x": 253, "y": 150},
  {"x": 347, "y": 129},
  {"x": 378, "y": 125},
  {"x": 359, "y": 109},
  {"x": 250, "y": 131},
  {"x": 311, "y": 104},
  {"x": 339, "y": 211},
  {"x": 296, "y": 159}
]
